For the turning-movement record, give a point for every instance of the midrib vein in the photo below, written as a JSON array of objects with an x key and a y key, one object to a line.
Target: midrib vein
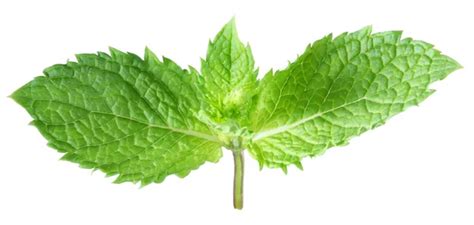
[
  {"x": 187, "y": 132},
  {"x": 284, "y": 128},
  {"x": 183, "y": 131}
]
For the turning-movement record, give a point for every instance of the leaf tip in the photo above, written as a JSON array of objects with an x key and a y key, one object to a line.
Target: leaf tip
[
  {"x": 260, "y": 165},
  {"x": 456, "y": 64},
  {"x": 285, "y": 169},
  {"x": 230, "y": 26},
  {"x": 299, "y": 165},
  {"x": 148, "y": 52},
  {"x": 364, "y": 31},
  {"x": 115, "y": 52},
  {"x": 145, "y": 182},
  {"x": 232, "y": 21},
  {"x": 183, "y": 174}
]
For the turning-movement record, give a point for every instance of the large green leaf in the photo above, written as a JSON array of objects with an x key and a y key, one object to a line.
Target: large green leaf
[
  {"x": 122, "y": 115},
  {"x": 339, "y": 88}
]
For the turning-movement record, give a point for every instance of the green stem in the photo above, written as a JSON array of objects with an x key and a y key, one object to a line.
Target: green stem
[{"x": 238, "y": 179}]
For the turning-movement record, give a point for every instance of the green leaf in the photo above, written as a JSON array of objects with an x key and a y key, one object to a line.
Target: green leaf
[
  {"x": 229, "y": 77},
  {"x": 122, "y": 115},
  {"x": 339, "y": 88}
]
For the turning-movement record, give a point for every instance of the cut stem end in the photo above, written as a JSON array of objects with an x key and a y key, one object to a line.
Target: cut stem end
[{"x": 238, "y": 179}]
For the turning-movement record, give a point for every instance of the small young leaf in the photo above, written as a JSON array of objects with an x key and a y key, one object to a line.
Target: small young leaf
[{"x": 229, "y": 76}]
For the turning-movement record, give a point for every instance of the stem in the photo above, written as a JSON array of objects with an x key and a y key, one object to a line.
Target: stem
[{"x": 238, "y": 179}]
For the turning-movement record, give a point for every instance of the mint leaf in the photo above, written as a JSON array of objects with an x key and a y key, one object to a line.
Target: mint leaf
[
  {"x": 145, "y": 119},
  {"x": 122, "y": 115},
  {"x": 338, "y": 89},
  {"x": 229, "y": 77}
]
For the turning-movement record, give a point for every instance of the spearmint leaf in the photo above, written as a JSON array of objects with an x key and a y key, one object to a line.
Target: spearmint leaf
[
  {"x": 122, "y": 115},
  {"x": 145, "y": 119},
  {"x": 339, "y": 88},
  {"x": 229, "y": 77}
]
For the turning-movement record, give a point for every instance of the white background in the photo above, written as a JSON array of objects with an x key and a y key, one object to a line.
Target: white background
[{"x": 416, "y": 169}]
